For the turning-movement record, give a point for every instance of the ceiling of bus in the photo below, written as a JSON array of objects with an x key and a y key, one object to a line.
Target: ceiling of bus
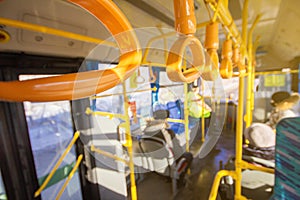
[{"x": 278, "y": 29}]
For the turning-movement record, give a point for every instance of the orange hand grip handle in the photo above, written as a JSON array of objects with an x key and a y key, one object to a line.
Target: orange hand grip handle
[
  {"x": 212, "y": 36},
  {"x": 227, "y": 49},
  {"x": 84, "y": 84},
  {"x": 226, "y": 68},
  {"x": 176, "y": 54},
  {"x": 185, "y": 20},
  {"x": 236, "y": 56},
  {"x": 211, "y": 69}
]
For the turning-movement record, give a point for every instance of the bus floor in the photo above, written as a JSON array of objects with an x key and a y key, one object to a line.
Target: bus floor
[{"x": 200, "y": 180}]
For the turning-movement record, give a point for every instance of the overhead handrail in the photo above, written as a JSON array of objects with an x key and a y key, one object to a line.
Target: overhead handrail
[
  {"x": 42, "y": 187},
  {"x": 84, "y": 84},
  {"x": 53, "y": 31},
  {"x": 277, "y": 72},
  {"x": 149, "y": 43},
  {"x": 79, "y": 159},
  {"x": 224, "y": 15}
]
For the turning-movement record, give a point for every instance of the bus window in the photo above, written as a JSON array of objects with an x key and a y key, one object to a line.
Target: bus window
[{"x": 50, "y": 130}]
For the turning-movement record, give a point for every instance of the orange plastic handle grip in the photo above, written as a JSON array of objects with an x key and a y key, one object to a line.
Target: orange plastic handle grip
[
  {"x": 176, "y": 54},
  {"x": 211, "y": 70},
  {"x": 212, "y": 36},
  {"x": 84, "y": 84},
  {"x": 185, "y": 20},
  {"x": 226, "y": 68}
]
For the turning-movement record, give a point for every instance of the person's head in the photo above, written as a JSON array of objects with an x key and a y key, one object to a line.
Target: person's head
[{"x": 283, "y": 100}]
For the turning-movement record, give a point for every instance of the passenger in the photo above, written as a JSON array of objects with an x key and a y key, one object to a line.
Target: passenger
[
  {"x": 261, "y": 136},
  {"x": 195, "y": 106},
  {"x": 283, "y": 103}
]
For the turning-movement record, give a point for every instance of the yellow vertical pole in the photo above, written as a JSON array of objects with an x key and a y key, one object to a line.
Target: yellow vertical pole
[
  {"x": 253, "y": 69},
  {"x": 240, "y": 109},
  {"x": 226, "y": 112},
  {"x": 239, "y": 138},
  {"x": 129, "y": 144},
  {"x": 250, "y": 78},
  {"x": 248, "y": 116},
  {"x": 202, "y": 118},
  {"x": 233, "y": 117},
  {"x": 186, "y": 118}
]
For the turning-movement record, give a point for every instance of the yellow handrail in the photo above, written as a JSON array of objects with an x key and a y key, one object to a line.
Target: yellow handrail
[
  {"x": 108, "y": 95},
  {"x": 246, "y": 165},
  {"x": 215, "y": 187},
  {"x": 175, "y": 120},
  {"x": 276, "y": 72},
  {"x": 69, "y": 177},
  {"x": 226, "y": 18},
  {"x": 109, "y": 155},
  {"x": 75, "y": 137},
  {"x": 144, "y": 59},
  {"x": 88, "y": 111},
  {"x": 53, "y": 31}
]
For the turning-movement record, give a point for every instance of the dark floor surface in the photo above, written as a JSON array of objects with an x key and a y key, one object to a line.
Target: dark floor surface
[{"x": 200, "y": 180}]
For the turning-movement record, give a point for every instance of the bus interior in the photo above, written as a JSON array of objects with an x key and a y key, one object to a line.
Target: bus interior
[{"x": 94, "y": 99}]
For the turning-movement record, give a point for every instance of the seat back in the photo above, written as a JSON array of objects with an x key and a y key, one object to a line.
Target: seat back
[
  {"x": 158, "y": 155},
  {"x": 176, "y": 112},
  {"x": 287, "y": 159}
]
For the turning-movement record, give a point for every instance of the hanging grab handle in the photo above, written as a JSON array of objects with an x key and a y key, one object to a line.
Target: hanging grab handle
[{"x": 226, "y": 64}]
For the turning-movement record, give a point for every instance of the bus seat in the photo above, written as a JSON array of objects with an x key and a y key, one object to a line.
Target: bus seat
[
  {"x": 287, "y": 159},
  {"x": 158, "y": 155}
]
